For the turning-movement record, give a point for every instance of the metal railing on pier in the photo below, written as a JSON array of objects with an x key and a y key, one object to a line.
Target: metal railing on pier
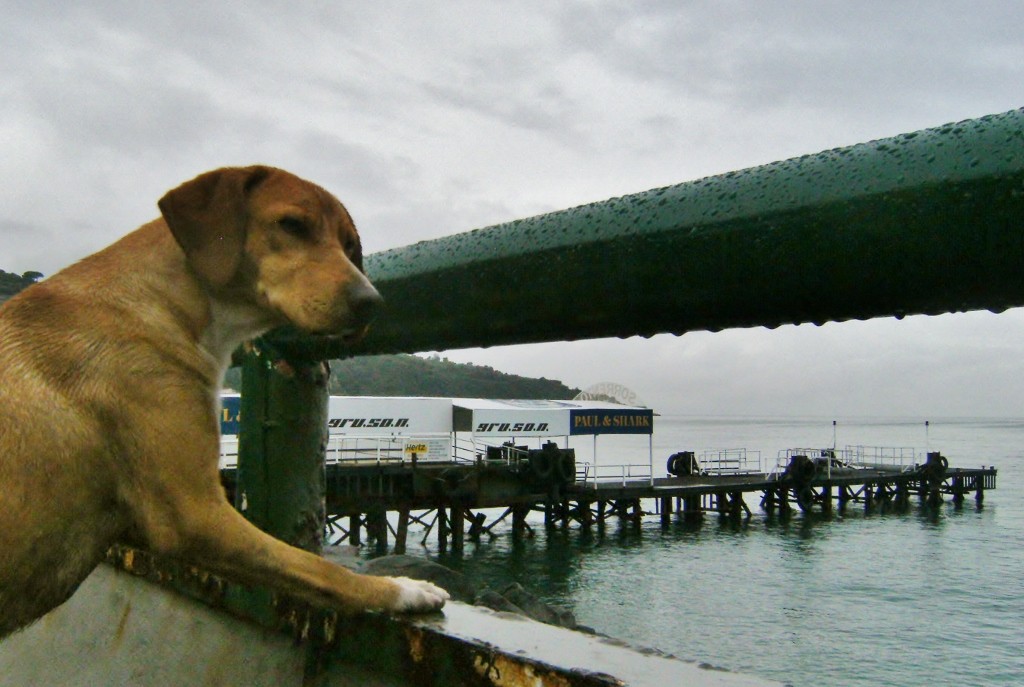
[
  {"x": 826, "y": 460},
  {"x": 730, "y": 461},
  {"x": 622, "y": 474}
]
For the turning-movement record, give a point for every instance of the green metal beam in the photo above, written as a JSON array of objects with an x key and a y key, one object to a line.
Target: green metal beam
[{"x": 927, "y": 222}]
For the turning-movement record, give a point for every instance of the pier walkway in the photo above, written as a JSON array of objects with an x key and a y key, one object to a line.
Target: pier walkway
[{"x": 378, "y": 500}]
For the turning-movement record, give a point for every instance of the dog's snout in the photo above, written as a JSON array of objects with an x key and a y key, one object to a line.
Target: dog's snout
[{"x": 365, "y": 303}]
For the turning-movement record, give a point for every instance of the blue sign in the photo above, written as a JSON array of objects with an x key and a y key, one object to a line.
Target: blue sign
[
  {"x": 230, "y": 411},
  {"x": 608, "y": 421}
]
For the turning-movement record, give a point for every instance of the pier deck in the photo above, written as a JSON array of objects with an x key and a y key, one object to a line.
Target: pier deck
[{"x": 459, "y": 499}]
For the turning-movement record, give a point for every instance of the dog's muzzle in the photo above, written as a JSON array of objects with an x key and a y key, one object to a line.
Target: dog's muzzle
[{"x": 364, "y": 304}]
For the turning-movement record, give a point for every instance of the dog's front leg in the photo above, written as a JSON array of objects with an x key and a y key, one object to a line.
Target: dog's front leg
[
  {"x": 219, "y": 539},
  {"x": 179, "y": 507}
]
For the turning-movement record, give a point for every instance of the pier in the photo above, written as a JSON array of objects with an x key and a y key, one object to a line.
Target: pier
[{"x": 375, "y": 496}]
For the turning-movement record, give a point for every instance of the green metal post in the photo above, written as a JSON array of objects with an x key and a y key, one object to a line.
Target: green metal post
[{"x": 283, "y": 436}]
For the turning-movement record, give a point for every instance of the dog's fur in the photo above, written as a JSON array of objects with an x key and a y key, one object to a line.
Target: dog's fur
[{"x": 109, "y": 380}]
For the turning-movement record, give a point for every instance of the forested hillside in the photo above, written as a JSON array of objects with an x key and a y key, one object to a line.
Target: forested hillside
[
  {"x": 409, "y": 375},
  {"x": 11, "y": 283}
]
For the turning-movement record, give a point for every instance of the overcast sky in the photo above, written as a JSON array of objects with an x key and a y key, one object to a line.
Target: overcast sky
[{"x": 429, "y": 119}]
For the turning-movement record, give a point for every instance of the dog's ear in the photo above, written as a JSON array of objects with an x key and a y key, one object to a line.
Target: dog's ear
[{"x": 208, "y": 217}]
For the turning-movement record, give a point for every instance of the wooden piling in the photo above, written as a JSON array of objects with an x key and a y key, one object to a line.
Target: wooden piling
[
  {"x": 958, "y": 491},
  {"x": 519, "y": 520},
  {"x": 355, "y": 530},
  {"x": 842, "y": 496},
  {"x": 377, "y": 527},
  {"x": 402, "y": 532},
  {"x": 586, "y": 515},
  {"x": 692, "y": 511},
  {"x": 458, "y": 527},
  {"x": 785, "y": 509},
  {"x": 666, "y": 511},
  {"x": 442, "y": 529}
]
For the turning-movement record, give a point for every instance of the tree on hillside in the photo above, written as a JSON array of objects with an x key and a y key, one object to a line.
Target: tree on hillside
[
  {"x": 409, "y": 375},
  {"x": 11, "y": 283}
]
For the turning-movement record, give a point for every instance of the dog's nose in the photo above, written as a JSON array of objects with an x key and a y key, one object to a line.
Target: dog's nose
[{"x": 364, "y": 303}]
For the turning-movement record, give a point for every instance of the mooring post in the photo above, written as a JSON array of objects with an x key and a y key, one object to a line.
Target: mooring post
[{"x": 282, "y": 439}]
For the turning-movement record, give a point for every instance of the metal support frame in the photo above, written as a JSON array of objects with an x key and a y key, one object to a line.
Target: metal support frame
[{"x": 926, "y": 222}]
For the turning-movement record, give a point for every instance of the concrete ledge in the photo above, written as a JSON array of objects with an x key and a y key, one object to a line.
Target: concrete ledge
[{"x": 120, "y": 629}]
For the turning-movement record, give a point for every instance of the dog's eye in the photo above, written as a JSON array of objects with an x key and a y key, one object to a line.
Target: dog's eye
[{"x": 295, "y": 226}]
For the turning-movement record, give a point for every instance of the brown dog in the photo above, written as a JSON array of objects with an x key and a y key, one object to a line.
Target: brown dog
[{"x": 109, "y": 379}]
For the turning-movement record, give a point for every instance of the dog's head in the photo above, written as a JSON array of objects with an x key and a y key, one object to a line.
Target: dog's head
[{"x": 266, "y": 236}]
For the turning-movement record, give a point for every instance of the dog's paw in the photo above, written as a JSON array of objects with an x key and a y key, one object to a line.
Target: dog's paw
[{"x": 418, "y": 596}]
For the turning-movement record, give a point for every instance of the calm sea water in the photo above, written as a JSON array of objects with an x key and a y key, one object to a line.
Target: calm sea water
[{"x": 921, "y": 598}]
